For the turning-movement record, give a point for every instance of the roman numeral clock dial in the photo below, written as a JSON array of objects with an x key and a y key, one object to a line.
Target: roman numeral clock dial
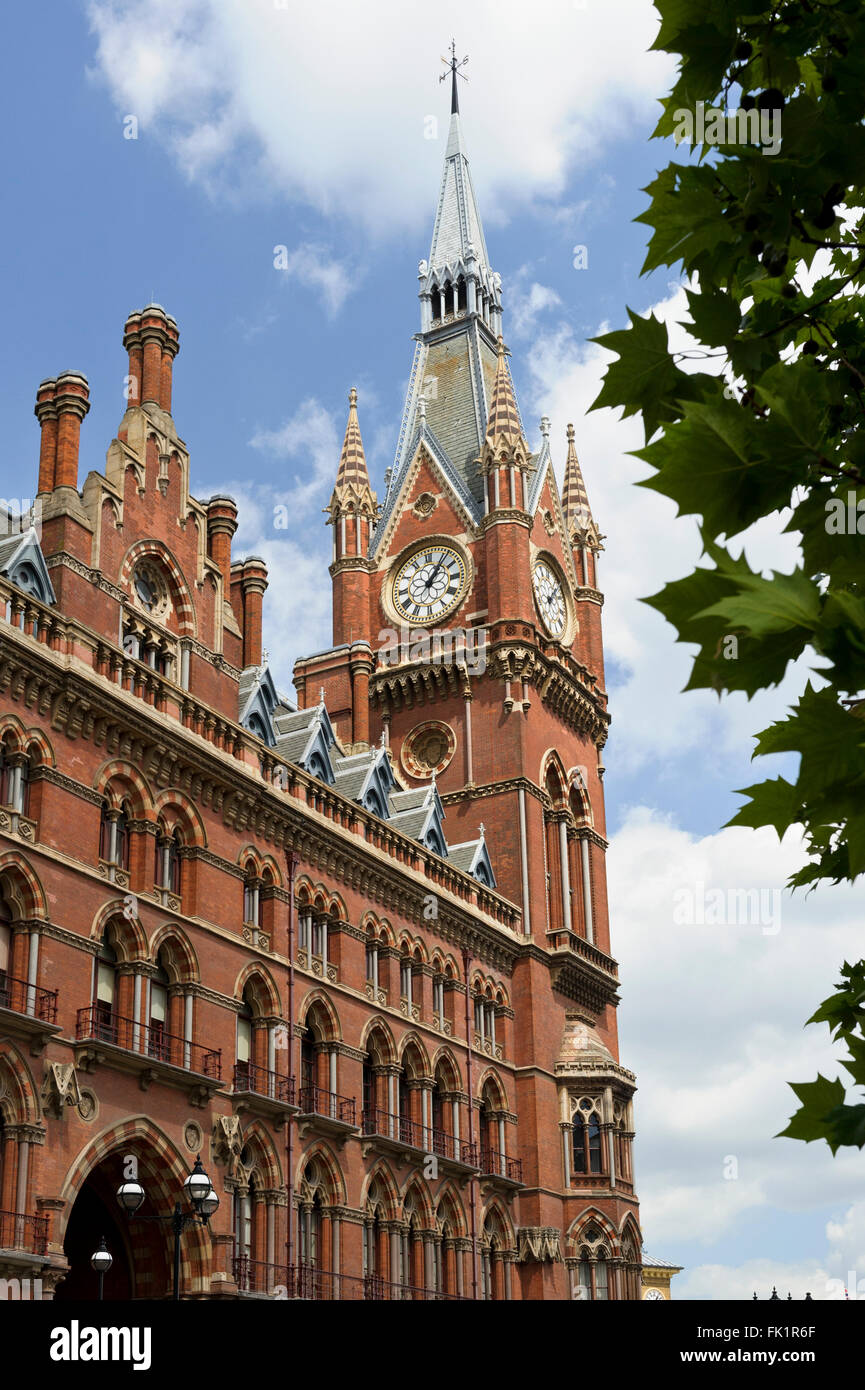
[
  {"x": 430, "y": 584},
  {"x": 550, "y": 598}
]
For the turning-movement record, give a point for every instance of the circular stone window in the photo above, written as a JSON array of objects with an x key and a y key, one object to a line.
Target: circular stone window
[
  {"x": 428, "y": 748},
  {"x": 150, "y": 589}
]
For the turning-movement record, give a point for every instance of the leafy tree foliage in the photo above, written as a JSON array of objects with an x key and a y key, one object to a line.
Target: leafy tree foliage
[{"x": 773, "y": 248}]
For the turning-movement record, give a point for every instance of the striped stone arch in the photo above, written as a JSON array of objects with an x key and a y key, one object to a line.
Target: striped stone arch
[
  {"x": 177, "y": 948},
  {"x": 413, "y": 1042},
  {"x": 629, "y": 1230},
  {"x": 119, "y": 780},
  {"x": 449, "y": 1207},
  {"x": 337, "y": 908},
  {"x": 552, "y": 765},
  {"x": 19, "y": 1098},
  {"x": 578, "y": 797},
  {"x": 264, "y": 991},
  {"x": 270, "y": 870},
  {"x": 162, "y": 1170},
  {"x": 592, "y": 1216},
  {"x": 416, "y": 1187},
  {"x": 322, "y": 1154},
  {"x": 490, "y": 1077},
  {"x": 445, "y": 1058},
  {"x": 249, "y": 858},
  {"x": 129, "y": 935},
  {"x": 182, "y": 599},
  {"x": 318, "y": 1001},
  {"x": 178, "y": 810},
  {"x": 21, "y": 886},
  {"x": 380, "y": 1182},
  {"x": 36, "y": 743},
  {"x": 379, "y": 1029},
  {"x": 495, "y": 1212},
  {"x": 386, "y": 932},
  {"x": 305, "y": 890},
  {"x": 259, "y": 1154},
  {"x": 12, "y": 732}
]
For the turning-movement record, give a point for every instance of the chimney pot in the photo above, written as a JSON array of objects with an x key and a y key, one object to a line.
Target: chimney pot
[{"x": 71, "y": 402}]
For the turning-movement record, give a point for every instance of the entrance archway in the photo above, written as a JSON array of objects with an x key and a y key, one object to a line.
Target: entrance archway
[{"x": 143, "y": 1250}]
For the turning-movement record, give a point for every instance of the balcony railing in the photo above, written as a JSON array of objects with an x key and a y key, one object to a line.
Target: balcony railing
[
  {"x": 315, "y": 1100},
  {"x": 458, "y": 1150},
  {"x": 261, "y": 1082},
  {"x": 404, "y": 1131},
  {"x": 396, "y": 1127},
  {"x": 19, "y": 1232},
  {"x": 501, "y": 1166},
  {"x": 319, "y": 1285},
  {"x": 28, "y": 999},
  {"x": 148, "y": 1041}
]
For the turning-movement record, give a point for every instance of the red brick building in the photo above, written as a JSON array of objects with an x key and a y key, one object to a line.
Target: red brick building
[{"x": 352, "y": 950}]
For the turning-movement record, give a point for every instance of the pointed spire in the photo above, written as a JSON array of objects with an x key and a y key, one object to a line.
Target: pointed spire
[
  {"x": 503, "y": 422},
  {"x": 575, "y": 499},
  {"x": 352, "y": 488}
]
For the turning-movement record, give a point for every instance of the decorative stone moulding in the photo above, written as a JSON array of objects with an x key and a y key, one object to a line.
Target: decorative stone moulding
[{"x": 428, "y": 748}]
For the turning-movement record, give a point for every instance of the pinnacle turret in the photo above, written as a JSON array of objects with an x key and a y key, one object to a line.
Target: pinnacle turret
[
  {"x": 352, "y": 491},
  {"x": 582, "y": 530}
]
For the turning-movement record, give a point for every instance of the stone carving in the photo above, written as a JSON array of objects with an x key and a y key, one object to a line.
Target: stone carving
[
  {"x": 60, "y": 1088},
  {"x": 227, "y": 1141},
  {"x": 538, "y": 1243}
]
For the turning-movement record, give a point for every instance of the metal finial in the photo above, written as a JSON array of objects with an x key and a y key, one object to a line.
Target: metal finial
[{"x": 453, "y": 68}]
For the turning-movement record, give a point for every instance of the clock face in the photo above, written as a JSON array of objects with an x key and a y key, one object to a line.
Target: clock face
[
  {"x": 653, "y": 1294},
  {"x": 429, "y": 584},
  {"x": 550, "y": 598}
]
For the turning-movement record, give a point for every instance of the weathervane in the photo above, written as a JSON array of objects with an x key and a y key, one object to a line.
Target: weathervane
[{"x": 453, "y": 68}]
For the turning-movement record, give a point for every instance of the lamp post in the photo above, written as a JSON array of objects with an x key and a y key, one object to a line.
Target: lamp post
[
  {"x": 101, "y": 1261},
  {"x": 200, "y": 1193}
]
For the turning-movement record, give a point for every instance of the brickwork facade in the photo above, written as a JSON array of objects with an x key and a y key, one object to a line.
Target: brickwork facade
[{"x": 402, "y": 1081}]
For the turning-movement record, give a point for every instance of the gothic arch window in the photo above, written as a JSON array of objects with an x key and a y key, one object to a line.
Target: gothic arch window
[
  {"x": 494, "y": 1244},
  {"x": 588, "y": 1155},
  {"x": 114, "y": 835},
  {"x": 105, "y": 989},
  {"x": 251, "y": 895},
  {"x": 167, "y": 864},
  {"x": 593, "y": 1269},
  {"x": 15, "y": 770},
  {"x": 245, "y": 1067},
  {"x": 5, "y": 953},
  {"x": 158, "y": 1044}
]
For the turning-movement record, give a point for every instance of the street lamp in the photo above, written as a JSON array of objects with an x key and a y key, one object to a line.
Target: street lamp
[
  {"x": 101, "y": 1261},
  {"x": 201, "y": 1195}
]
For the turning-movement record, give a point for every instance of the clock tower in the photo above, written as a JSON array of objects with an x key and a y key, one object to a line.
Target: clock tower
[{"x": 467, "y": 640}]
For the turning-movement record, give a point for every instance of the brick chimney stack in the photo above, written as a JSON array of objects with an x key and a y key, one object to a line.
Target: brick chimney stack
[
  {"x": 152, "y": 339},
  {"x": 61, "y": 404},
  {"x": 46, "y": 413},
  {"x": 254, "y": 584},
  {"x": 221, "y": 526}
]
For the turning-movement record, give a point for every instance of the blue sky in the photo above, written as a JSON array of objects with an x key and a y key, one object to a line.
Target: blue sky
[{"x": 262, "y": 125}]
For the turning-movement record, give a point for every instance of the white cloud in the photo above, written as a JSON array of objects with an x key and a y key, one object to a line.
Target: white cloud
[
  {"x": 646, "y": 546},
  {"x": 313, "y": 266},
  {"x": 310, "y": 435},
  {"x": 528, "y": 302},
  {"x": 329, "y": 104},
  {"x": 713, "y": 1024}
]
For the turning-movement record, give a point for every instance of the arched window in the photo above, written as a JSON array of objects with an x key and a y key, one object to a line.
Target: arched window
[
  {"x": 5, "y": 954},
  {"x": 251, "y": 897},
  {"x": 376, "y": 1244},
  {"x": 158, "y": 1044},
  {"x": 243, "y": 1073},
  {"x": 114, "y": 836},
  {"x": 593, "y": 1271},
  {"x": 438, "y": 996},
  {"x": 405, "y": 976},
  {"x": 167, "y": 868},
  {"x": 104, "y": 1026},
  {"x": 588, "y": 1151}
]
